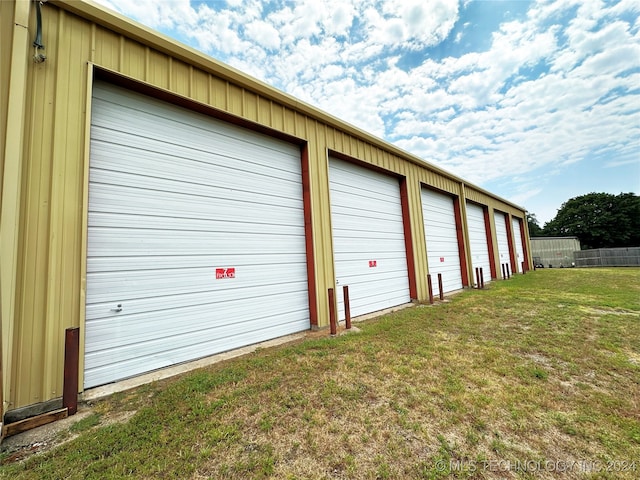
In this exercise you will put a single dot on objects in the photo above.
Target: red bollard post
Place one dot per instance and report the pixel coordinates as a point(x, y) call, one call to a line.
point(430, 285)
point(440, 286)
point(347, 307)
point(332, 313)
point(524, 268)
point(71, 359)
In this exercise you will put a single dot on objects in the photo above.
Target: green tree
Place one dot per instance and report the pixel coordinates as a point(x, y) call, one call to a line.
point(599, 220)
point(535, 230)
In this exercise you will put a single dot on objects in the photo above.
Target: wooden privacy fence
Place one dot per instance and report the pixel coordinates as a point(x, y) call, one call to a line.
point(608, 257)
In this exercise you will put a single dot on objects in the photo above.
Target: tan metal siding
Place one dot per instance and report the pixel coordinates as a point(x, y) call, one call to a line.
point(321, 217)
point(158, 69)
point(6, 44)
point(49, 288)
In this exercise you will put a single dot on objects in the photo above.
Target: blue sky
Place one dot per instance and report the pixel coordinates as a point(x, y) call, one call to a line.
point(536, 101)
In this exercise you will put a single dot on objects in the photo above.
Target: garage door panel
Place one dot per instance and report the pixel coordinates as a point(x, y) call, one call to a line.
point(153, 208)
point(358, 275)
point(111, 242)
point(102, 308)
point(359, 199)
point(113, 264)
point(158, 325)
point(383, 264)
point(441, 238)
point(184, 345)
point(357, 241)
point(197, 346)
point(171, 163)
point(150, 284)
point(111, 221)
point(478, 240)
point(355, 220)
point(254, 190)
point(191, 144)
point(367, 226)
point(160, 120)
point(372, 296)
point(173, 196)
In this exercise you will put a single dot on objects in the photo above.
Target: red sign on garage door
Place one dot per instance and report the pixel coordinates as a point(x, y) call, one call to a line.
point(225, 273)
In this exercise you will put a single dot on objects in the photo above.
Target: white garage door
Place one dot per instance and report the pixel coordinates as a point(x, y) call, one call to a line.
point(443, 255)
point(196, 239)
point(368, 238)
point(478, 241)
point(517, 236)
point(503, 240)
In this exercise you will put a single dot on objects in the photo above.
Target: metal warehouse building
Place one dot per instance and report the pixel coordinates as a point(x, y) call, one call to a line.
point(173, 208)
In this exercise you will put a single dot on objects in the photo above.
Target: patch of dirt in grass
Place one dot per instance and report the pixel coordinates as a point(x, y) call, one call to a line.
point(609, 311)
point(633, 357)
point(42, 439)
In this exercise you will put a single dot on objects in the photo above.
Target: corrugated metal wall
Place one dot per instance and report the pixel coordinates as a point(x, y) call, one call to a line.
point(555, 251)
point(51, 238)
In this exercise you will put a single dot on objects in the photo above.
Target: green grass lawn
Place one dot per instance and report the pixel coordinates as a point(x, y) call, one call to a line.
point(535, 377)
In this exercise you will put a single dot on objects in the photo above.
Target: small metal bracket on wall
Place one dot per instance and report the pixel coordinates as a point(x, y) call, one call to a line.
point(38, 57)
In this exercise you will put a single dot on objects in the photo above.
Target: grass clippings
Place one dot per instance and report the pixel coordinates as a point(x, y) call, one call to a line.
point(534, 377)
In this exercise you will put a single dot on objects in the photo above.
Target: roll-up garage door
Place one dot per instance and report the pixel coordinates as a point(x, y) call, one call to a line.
point(478, 240)
point(441, 238)
point(503, 239)
point(196, 241)
point(517, 237)
point(368, 238)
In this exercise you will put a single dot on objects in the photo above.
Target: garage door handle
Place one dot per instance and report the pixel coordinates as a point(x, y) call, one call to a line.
point(118, 309)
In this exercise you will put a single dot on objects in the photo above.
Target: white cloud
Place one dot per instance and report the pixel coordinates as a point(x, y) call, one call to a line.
point(264, 34)
point(554, 87)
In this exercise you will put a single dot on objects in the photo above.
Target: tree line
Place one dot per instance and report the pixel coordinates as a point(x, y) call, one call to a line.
point(599, 220)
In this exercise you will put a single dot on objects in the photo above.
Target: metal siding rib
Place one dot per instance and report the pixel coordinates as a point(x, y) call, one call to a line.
point(218, 93)
point(158, 73)
point(134, 60)
point(107, 52)
point(180, 78)
point(235, 99)
point(200, 86)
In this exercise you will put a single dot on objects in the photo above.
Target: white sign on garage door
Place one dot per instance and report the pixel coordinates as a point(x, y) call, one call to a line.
point(517, 237)
point(478, 240)
point(368, 238)
point(443, 255)
point(196, 240)
point(503, 239)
